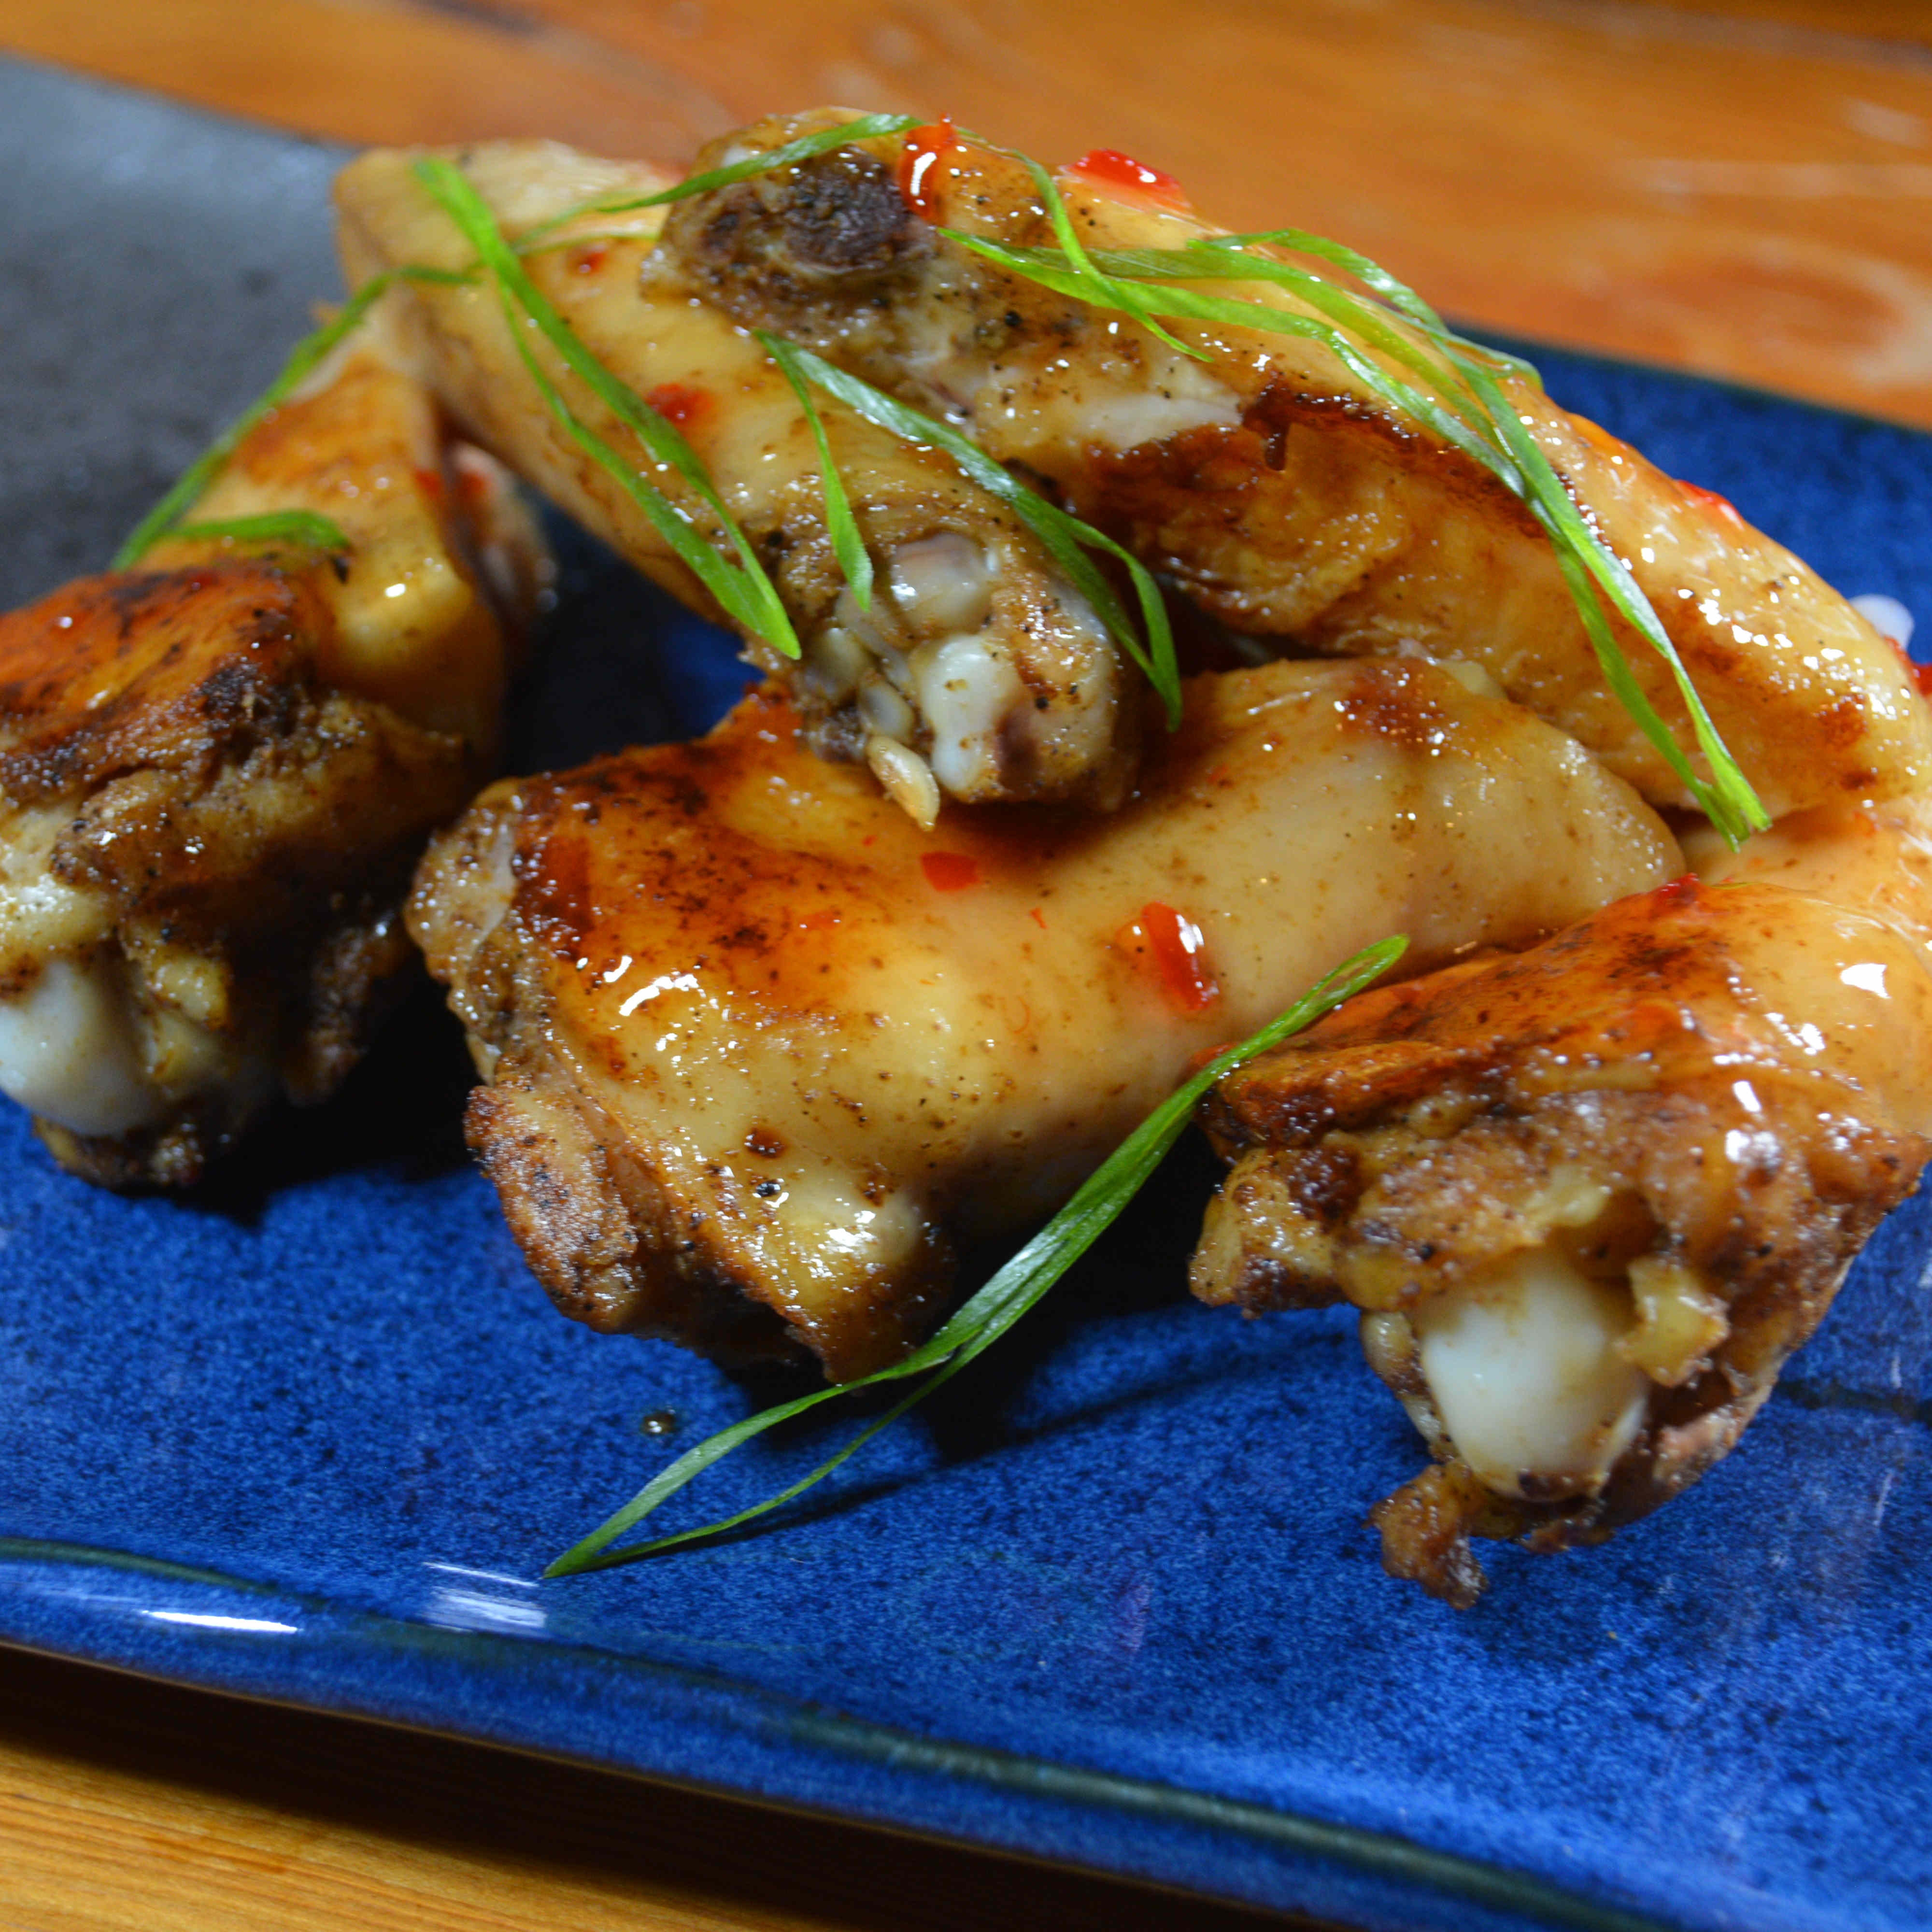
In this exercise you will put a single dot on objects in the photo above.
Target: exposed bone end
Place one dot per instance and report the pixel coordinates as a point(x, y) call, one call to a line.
point(1583, 1245)
point(1525, 1367)
point(991, 670)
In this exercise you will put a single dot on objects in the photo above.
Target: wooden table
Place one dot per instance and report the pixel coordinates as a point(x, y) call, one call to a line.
point(1740, 188)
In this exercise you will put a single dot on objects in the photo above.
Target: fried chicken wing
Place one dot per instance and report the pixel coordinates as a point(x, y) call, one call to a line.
point(979, 671)
point(1590, 1198)
point(761, 1054)
point(216, 772)
point(1275, 486)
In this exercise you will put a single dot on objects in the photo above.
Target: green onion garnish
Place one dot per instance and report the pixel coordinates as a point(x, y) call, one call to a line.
point(997, 1305)
point(189, 487)
point(866, 127)
point(1472, 414)
point(273, 526)
point(296, 527)
point(746, 594)
point(1065, 538)
point(855, 561)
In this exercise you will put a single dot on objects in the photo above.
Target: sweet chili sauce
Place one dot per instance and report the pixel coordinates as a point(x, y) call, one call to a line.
point(924, 148)
point(1112, 169)
point(1174, 950)
point(950, 872)
point(1709, 499)
point(680, 403)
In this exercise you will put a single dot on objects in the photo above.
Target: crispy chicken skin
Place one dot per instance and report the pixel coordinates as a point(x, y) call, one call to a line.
point(980, 672)
point(217, 772)
point(1590, 1198)
point(1276, 489)
point(761, 1054)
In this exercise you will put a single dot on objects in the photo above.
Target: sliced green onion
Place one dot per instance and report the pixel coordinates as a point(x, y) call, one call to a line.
point(188, 488)
point(867, 127)
point(746, 595)
point(1065, 538)
point(855, 561)
point(1112, 292)
point(1474, 417)
point(297, 526)
point(988, 1315)
point(1727, 800)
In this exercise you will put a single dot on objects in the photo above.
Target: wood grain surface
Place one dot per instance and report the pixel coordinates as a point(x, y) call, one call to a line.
point(1740, 187)
point(135, 1805)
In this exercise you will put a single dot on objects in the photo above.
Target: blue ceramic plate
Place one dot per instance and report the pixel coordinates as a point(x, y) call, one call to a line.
point(310, 1435)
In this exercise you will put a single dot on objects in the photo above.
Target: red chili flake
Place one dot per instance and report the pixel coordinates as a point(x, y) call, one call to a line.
point(429, 482)
point(1709, 499)
point(950, 872)
point(1038, 917)
point(678, 402)
point(1681, 890)
point(587, 261)
point(1119, 170)
point(1174, 949)
point(918, 160)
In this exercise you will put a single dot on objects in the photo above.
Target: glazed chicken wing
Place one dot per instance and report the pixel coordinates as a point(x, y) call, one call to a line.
point(761, 1054)
point(217, 770)
point(1274, 485)
point(1589, 1198)
point(979, 671)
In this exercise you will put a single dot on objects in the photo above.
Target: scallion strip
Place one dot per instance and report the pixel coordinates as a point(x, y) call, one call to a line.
point(1065, 538)
point(990, 1312)
point(188, 488)
point(1486, 428)
point(1727, 798)
point(746, 595)
point(298, 527)
point(866, 127)
point(855, 561)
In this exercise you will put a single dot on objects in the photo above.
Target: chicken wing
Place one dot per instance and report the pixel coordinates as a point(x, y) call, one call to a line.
point(979, 671)
point(1274, 485)
point(1590, 1198)
point(216, 772)
point(761, 1053)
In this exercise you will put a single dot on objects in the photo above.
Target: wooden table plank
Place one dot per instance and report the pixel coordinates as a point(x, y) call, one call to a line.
point(127, 1806)
point(1742, 189)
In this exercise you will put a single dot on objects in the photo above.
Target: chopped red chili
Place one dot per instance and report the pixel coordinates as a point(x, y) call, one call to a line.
point(1119, 170)
point(918, 162)
point(950, 872)
point(1175, 951)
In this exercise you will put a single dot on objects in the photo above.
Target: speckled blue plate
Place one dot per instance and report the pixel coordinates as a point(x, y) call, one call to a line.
point(311, 1434)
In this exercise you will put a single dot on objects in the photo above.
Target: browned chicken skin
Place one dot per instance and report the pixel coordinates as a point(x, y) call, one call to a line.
point(1590, 1198)
point(216, 774)
point(1276, 487)
point(979, 671)
point(761, 1052)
